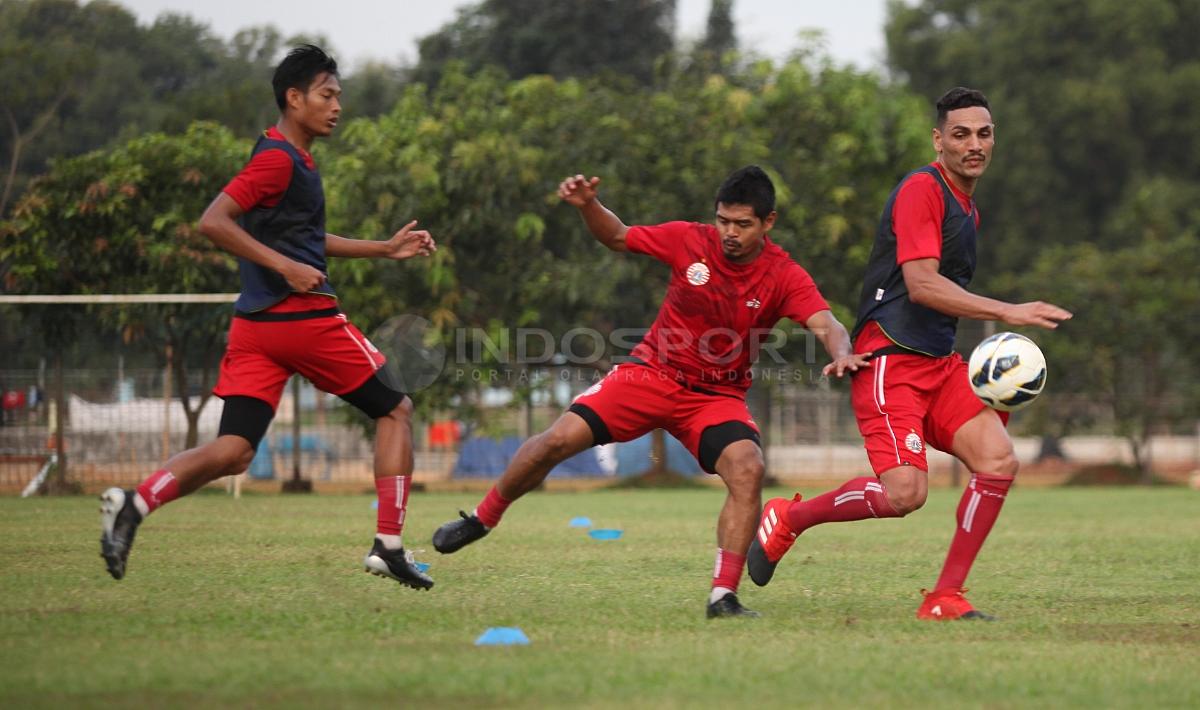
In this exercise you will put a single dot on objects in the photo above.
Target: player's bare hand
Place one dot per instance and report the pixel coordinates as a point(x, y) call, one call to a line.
point(302, 278)
point(578, 191)
point(1039, 313)
point(409, 242)
point(848, 363)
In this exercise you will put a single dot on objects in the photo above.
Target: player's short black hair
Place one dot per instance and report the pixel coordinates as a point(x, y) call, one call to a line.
point(748, 186)
point(959, 97)
point(299, 69)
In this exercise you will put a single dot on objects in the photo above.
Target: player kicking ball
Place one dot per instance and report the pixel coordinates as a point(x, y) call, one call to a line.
point(730, 284)
point(286, 320)
point(916, 392)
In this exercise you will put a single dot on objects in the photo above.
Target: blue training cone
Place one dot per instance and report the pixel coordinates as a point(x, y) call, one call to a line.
point(603, 534)
point(580, 522)
point(502, 636)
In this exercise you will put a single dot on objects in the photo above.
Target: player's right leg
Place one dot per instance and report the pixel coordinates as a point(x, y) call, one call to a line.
point(250, 382)
point(528, 468)
point(627, 403)
point(244, 421)
point(890, 400)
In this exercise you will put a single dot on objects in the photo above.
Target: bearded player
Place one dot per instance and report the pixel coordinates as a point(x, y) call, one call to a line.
point(915, 393)
point(729, 285)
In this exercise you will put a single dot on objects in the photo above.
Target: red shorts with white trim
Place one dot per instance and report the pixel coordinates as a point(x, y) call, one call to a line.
point(328, 351)
point(635, 399)
point(904, 403)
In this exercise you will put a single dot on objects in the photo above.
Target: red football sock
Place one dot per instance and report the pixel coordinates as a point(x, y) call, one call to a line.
point(857, 499)
point(977, 512)
point(393, 503)
point(728, 571)
point(158, 490)
point(492, 507)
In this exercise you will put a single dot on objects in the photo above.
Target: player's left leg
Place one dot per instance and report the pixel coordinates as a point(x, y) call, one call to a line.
point(724, 439)
point(740, 465)
point(392, 411)
point(983, 445)
point(337, 358)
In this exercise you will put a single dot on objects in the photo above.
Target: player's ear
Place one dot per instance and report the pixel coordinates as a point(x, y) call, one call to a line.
point(769, 221)
point(294, 97)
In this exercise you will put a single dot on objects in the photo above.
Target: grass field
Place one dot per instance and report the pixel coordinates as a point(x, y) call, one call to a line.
point(262, 602)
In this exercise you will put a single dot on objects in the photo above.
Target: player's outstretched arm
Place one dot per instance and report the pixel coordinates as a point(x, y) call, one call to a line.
point(832, 334)
point(219, 224)
point(606, 227)
point(929, 288)
point(404, 244)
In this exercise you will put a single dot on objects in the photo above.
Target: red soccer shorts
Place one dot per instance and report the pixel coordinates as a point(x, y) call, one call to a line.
point(328, 351)
point(635, 399)
point(907, 402)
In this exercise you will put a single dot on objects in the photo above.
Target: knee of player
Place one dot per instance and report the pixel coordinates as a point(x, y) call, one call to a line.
point(906, 499)
point(1008, 465)
point(402, 412)
point(744, 476)
point(237, 458)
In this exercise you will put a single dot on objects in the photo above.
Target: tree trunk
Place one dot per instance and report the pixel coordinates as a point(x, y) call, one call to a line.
point(59, 483)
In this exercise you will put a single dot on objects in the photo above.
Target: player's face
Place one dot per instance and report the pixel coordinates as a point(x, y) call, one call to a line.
point(964, 143)
point(320, 106)
point(741, 231)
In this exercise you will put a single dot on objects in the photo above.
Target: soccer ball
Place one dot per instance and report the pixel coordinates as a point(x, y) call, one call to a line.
point(1007, 371)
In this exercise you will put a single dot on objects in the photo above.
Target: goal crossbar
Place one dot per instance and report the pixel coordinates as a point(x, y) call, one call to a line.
point(93, 298)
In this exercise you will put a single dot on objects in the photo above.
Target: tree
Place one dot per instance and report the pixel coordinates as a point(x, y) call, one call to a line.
point(477, 159)
point(1130, 346)
point(1087, 96)
point(524, 37)
point(123, 221)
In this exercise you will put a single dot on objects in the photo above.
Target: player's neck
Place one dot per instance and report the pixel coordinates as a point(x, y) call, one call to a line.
point(965, 185)
point(295, 134)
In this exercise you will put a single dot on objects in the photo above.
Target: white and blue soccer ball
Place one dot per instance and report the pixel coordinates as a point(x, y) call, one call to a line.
point(1007, 371)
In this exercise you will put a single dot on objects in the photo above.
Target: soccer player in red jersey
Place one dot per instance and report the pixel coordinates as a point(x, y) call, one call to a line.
point(915, 392)
point(286, 320)
point(729, 285)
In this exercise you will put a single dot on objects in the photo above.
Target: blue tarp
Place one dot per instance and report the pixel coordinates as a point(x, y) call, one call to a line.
point(486, 458)
point(481, 457)
point(633, 457)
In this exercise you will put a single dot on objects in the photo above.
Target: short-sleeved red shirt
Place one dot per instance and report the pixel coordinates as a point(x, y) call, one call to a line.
point(717, 313)
point(918, 213)
point(264, 179)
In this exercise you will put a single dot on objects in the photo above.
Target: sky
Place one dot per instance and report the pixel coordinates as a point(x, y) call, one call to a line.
point(360, 30)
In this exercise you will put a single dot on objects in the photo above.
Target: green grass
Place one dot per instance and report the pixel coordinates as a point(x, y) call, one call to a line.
point(262, 602)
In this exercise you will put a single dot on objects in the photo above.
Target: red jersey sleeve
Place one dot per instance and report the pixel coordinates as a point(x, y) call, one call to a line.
point(263, 181)
point(801, 297)
point(917, 219)
point(661, 241)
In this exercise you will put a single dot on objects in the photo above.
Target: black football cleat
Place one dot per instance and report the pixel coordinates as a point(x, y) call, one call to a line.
point(395, 564)
point(119, 520)
point(729, 605)
point(457, 534)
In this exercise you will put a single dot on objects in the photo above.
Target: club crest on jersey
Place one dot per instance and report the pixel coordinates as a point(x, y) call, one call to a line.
point(697, 274)
point(912, 442)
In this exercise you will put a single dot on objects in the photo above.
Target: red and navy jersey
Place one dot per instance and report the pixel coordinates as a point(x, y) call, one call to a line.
point(283, 204)
point(717, 313)
point(925, 217)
